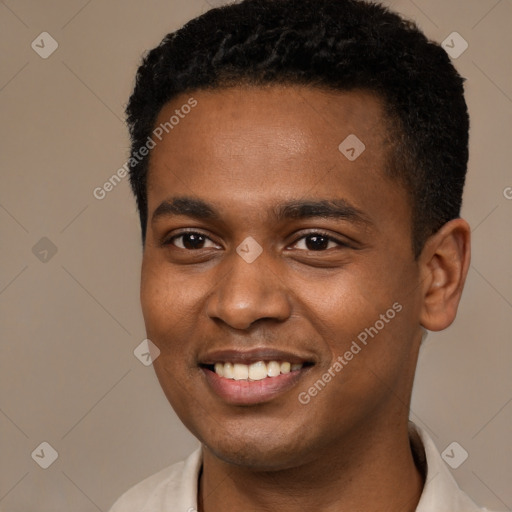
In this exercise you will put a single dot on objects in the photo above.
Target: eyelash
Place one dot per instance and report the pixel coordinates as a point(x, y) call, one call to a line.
point(321, 233)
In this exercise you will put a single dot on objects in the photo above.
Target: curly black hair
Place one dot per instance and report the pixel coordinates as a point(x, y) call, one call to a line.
point(341, 45)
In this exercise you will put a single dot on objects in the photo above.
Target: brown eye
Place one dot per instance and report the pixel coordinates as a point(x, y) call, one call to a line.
point(190, 241)
point(317, 242)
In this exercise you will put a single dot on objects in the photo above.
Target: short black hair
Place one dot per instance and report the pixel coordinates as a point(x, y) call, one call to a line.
point(341, 45)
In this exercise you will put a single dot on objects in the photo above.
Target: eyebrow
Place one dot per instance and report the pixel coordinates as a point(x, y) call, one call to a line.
point(186, 206)
point(296, 209)
point(327, 209)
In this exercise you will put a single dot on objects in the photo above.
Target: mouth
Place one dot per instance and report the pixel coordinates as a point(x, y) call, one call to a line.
point(253, 377)
point(256, 371)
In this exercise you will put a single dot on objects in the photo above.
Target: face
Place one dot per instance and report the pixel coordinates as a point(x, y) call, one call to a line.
point(278, 279)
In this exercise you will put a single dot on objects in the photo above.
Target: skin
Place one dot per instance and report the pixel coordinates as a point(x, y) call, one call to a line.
point(246, 150)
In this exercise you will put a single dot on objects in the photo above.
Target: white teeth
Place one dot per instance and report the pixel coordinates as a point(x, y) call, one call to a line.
point(256, 371)
point(219, 369)
point(229, 371)
point(273, 369)
point(241, 371)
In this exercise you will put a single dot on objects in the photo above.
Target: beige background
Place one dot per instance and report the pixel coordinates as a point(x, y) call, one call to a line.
point(69, 325)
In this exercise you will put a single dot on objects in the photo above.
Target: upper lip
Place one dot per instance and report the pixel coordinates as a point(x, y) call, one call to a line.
point(252, 356)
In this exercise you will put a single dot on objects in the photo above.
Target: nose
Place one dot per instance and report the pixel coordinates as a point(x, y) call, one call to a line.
point(249, 292)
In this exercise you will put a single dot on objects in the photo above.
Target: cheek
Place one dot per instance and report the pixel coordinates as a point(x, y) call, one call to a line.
point(169, 320)
point(173, 308)
point(154, 295)
point(367, 317)
point(347, 301)
point(164, 300)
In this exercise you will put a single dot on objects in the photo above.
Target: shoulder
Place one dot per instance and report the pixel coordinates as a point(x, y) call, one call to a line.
point(174, 487)
point(441, 492)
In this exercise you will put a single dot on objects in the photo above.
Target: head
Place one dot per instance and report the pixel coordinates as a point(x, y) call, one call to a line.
point(315, 153)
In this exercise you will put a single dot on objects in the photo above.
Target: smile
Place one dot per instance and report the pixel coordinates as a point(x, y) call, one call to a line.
point(256, 371)
point(255, 376)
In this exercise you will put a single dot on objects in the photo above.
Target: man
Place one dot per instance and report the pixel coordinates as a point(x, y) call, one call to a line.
point(298, 168)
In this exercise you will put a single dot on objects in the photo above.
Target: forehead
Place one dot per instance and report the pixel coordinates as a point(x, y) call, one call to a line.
point(289, 122)
point(262, 145)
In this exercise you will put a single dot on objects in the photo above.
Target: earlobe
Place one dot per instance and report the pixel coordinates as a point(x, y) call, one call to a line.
point(444, 264)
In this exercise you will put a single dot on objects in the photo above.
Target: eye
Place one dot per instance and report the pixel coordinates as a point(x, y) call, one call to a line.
point(190, 240)
point(318, 241)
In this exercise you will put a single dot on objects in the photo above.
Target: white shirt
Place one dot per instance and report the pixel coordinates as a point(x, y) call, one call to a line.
point(175, 488)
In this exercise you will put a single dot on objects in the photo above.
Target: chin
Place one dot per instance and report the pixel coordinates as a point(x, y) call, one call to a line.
point(259, 449)
point(255, 457)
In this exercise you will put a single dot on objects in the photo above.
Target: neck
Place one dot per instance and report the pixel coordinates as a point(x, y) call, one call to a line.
point(371, 472)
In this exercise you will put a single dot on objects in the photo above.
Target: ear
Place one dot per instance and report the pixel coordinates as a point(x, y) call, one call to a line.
point(444, 264)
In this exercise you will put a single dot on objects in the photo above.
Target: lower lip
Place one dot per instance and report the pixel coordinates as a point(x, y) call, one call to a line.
point(247, 392)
